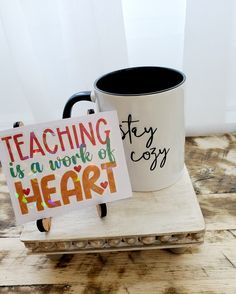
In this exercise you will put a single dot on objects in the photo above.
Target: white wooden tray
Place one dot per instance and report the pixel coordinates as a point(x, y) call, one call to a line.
point(169, 218)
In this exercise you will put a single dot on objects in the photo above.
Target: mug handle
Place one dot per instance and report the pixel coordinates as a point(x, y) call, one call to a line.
point(80, 96)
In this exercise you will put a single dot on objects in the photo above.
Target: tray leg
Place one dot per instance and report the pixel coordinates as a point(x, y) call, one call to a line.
point(180, 250)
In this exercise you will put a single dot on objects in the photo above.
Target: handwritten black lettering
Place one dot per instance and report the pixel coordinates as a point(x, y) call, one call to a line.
point(129, 129)
point(133, 130)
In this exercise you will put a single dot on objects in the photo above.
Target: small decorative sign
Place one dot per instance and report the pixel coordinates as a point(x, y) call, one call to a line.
point(53, 168)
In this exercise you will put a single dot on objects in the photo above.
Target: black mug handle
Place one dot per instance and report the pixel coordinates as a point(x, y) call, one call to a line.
point(83, 96)
point(80, 96)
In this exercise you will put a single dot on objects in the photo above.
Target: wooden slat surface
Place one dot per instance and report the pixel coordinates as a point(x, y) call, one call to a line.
point(215, 261)
point(211, 162)
point(209, 269)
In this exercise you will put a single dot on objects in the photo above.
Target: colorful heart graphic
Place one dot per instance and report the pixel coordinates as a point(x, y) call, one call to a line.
point(26, 191)
point(104, 184)
point(77, 168)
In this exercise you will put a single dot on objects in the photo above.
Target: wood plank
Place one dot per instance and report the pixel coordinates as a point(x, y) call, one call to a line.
point(113, 287)
point(211, 162)
point(182, 287)
point(4, 189)
point(213, 261)
point(233, 232)
point(8, 228)
point(2, 177)
point(219, 210)
point(39, 289)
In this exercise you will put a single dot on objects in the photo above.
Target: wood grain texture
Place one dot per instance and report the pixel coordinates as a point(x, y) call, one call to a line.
point(158, 287)
point(210, 265)
point(211, 162)
point(219, 210)
point(39, 289)
point(8, 227)
point(209, 269)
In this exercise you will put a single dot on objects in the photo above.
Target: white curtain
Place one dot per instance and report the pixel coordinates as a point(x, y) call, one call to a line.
point(52, 49)
point(210, 65)
point(199, 38)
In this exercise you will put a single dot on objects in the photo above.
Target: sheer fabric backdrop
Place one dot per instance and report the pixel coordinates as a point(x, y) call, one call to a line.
point(209, 61)
point(52, 49)
point(198, 37)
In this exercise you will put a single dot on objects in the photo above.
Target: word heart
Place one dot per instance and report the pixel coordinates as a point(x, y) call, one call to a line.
point(83, 189)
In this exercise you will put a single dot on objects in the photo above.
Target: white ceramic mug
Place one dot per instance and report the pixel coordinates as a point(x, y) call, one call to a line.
point(150, 106)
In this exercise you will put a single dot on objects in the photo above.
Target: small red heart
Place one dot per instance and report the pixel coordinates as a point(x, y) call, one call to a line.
point(26, 191)
point(77, 168)
point(104, 184)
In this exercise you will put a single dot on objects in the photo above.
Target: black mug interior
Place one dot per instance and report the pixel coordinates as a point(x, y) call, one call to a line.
point(140, 80)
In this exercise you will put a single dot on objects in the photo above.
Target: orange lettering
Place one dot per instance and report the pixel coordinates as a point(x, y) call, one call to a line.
point(48, 191)
point(110, 176)
point(89, 182)
point(76, 191)
point(36, 197)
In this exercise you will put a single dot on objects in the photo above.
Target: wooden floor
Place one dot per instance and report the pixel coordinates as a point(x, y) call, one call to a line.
point(209, 269)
